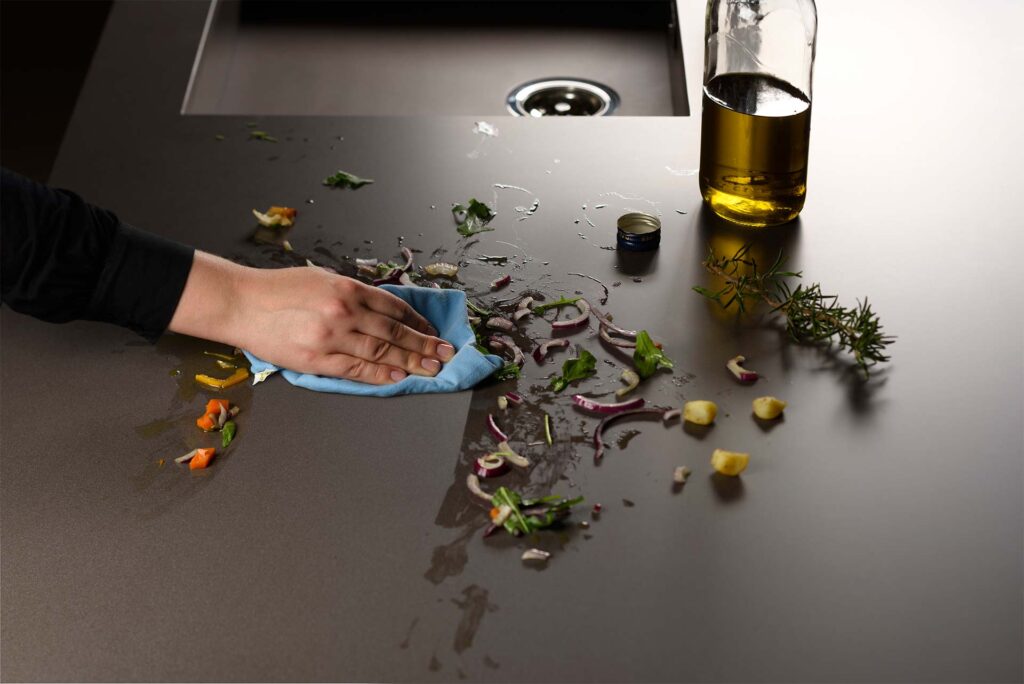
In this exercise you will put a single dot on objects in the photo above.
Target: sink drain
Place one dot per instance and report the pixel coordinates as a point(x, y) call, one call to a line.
point(562, 97)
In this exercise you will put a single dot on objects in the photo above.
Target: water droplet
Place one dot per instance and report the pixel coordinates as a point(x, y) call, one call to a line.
point(310, 201)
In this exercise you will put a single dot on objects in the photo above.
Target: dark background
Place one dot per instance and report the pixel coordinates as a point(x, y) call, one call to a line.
point(45, 51)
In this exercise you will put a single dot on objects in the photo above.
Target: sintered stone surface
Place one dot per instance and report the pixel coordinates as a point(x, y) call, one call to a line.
point(875, 537)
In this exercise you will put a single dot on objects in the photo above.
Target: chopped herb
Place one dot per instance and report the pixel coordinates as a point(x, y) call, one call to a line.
point(542, 512)
point(478, 310)
point(219, 136)
point(227, 433)
point(547, 430)
point(262, 135)
point(579, 368)
point(510, 371)
point(472, 219)
point(647, 358)
point(564, 301)
point(343, 179)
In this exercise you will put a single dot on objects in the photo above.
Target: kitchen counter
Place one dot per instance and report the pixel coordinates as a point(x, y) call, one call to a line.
point(876, 536)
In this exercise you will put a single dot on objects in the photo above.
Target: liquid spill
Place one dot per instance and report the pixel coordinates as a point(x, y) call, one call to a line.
point(408, 634)
point(484, 128)
point(474, 606)
point(625, 438)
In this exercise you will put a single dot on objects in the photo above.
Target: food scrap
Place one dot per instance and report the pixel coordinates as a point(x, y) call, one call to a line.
point(221, 383)
point(680, 474)
point(700, 412)
point(201, 459)
point(735, 366)
point(343, 179)
point(526, 516)
point(730, 463)
point(579, 368)
point(648, 357)
point(768, 408)
point(472, 218)
point(536, 555)
point(276, 217)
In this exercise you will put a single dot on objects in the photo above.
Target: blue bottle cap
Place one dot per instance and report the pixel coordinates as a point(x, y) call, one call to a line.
point(638, 232)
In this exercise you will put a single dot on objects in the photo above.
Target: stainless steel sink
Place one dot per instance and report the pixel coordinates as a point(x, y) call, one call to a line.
point(437, 58)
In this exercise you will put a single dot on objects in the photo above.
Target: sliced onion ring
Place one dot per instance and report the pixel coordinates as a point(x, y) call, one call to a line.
point(742, 374)
point(500, 323)
point(511, 456)
point(631, 379)
point(607, 420)
point(473, 484)
point(514, 398)
point(606, 322)
point(584, 306)
point(501, 282)
point(490, 465)
point(669, 415)
point(589, 404)
point(541, 352)
point(492, 425)
point(615, 341)
point(506, 342)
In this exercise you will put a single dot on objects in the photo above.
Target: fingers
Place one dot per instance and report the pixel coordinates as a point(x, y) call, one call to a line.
point(403, 337)
point(380, 351)
point(393, 307)
point(360, 370)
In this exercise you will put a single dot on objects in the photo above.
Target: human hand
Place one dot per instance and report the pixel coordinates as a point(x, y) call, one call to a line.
point(313, 321)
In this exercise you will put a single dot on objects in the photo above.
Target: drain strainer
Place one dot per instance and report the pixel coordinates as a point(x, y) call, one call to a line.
point(562, 97)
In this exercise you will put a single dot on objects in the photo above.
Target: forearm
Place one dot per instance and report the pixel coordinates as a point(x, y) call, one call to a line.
point(215, 300)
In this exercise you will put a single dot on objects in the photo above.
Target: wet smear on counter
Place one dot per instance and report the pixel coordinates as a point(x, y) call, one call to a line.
point(408, 634)
point(474, 605)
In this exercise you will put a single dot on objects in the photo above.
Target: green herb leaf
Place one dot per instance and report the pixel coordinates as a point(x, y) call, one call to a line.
point(554, 508)
point(564, 301)
point(472, 219)
point(647, 358)
point(343, 179)
point(262, 135)
point(509, 371)
point(227, 433)
point(575, 369)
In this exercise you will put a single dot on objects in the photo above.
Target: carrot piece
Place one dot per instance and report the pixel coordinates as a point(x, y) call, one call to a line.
point(201, 459)
point(495, 512)
point(208, 422)
point(220, 383)
point(213, 406)
point(286, 212)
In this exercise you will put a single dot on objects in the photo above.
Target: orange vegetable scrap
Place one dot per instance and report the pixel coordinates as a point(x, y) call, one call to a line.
point(208, 422)
point(283, 212)
point(201, 459)
point(220, 383)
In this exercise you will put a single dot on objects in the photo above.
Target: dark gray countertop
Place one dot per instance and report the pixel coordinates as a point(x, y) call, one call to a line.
point(877, 535)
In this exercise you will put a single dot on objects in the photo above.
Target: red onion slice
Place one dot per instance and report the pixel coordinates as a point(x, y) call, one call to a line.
point(541, 352)
point(614, 341)
point(492, 425)
point(524, 303)
point(669, 415)
point(501, 282)
point(606, 322)
point(608, 420)
point(404, 279)
point(506, 342)
point(576, 322)
point(589, 404)
point(473, 484)
point(740, 373)
point(407, 253)
point(499, 323)
point(491, 465)
point(514, 398)
point(511, 456)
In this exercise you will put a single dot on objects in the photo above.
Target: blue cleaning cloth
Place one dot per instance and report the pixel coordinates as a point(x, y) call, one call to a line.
point(446, 311)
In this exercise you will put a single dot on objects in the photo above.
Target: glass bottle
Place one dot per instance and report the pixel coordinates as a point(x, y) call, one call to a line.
point(758, 64)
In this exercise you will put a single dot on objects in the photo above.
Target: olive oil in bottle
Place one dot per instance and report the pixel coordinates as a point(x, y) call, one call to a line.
point(753, 157)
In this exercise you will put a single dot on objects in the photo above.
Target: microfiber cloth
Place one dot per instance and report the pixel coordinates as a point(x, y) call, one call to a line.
point(446, 311)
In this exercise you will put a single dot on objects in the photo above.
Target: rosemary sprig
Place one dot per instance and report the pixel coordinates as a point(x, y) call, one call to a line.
point(811, 315)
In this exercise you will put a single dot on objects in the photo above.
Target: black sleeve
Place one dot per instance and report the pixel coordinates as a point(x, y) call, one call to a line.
point(65, 260)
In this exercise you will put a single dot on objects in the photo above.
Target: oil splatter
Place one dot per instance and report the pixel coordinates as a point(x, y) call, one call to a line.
point(627, 503)
point(626, 437)
point(408, 634)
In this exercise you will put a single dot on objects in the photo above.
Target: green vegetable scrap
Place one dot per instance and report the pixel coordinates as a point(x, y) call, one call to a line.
point(812, 317)
point(343, 179)
point(648, 358)
point(262, 135)
point(564, 301)
point(227, 433)
point(579, 368)
point(541, 513)
point(509, 371)
point(472, 219)
point(219, 136)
